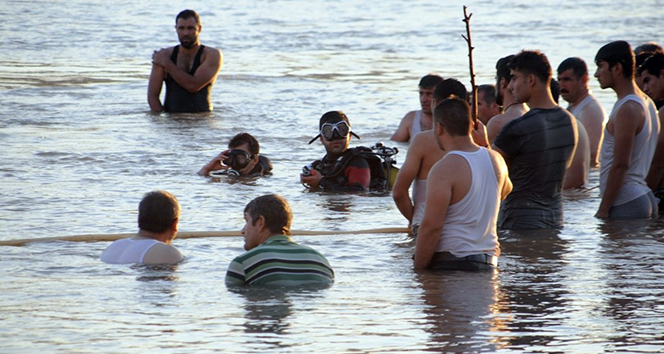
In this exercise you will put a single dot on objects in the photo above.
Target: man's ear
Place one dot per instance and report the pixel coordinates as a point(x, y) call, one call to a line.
point(439, 129)
point(503, 83)
point(175, 225)
point(260, 223)
point(584, 79)
point(531, 80)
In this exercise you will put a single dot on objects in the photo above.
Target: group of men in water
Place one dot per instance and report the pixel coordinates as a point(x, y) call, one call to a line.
point(470, 176)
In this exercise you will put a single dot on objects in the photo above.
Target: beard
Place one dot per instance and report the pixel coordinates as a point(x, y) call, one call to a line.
point(187, 42)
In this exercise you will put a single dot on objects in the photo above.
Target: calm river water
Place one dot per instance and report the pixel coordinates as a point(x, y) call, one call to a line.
point(79, 149)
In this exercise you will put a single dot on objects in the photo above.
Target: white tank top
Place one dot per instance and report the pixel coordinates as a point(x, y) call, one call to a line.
point(127, 250)
point(576, 109)
point(419, 197)
point(644, 149)
point(416, 126)
point(470, 224)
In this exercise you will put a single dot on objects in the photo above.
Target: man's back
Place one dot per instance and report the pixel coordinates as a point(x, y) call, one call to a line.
point(538, 147)
point(148, 251)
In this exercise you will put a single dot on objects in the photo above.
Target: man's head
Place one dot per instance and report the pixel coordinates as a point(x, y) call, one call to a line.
point(555, 89)
point(614, 61)
point(486, 103)
point(158, 212)
point(649, 47)
point(502, 78)
point(652, 76)
point(573, 79)
point(452, 116)
point(239, 161)
point(529, 71)
point(188, 26)
point(266, 216)
point(446, 89)
point(334, 132)
point(426, 86)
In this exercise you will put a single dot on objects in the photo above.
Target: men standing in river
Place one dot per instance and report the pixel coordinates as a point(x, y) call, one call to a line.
point(511, 108)
point(538, 148)
point(416, 121)
point(189, 70)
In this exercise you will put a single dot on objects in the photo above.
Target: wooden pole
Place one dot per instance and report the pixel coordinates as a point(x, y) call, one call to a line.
point(469, 40)
point(199, 234)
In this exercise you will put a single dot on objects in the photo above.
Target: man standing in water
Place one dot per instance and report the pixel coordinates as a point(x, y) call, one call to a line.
point(158, 216)
point(416, 121)
point(189, 70)
point(538, 148)
point(630, 139)
point(464, 190)
point(511, 108)
point(573, 79)
point(652, 75)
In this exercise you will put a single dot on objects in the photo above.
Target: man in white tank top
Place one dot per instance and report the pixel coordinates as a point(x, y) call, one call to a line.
point(416, 121)
point(464, 190)
point(158, 215)
point(630, 139)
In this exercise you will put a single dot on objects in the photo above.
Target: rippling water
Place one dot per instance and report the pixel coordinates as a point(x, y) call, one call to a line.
point(79, 148)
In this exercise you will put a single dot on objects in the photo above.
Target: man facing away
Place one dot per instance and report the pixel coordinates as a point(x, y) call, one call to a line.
point(538, 148)
point(189, 70)
point(416, 121)
point(573, 79)
point(652, 75)
point(487, 107)
point(464, 191)
point(242, 158)
point(272, 258)
point(630, 138)
point(423, 153)
point(511, 108)
point(158, 215)
point(340, 170)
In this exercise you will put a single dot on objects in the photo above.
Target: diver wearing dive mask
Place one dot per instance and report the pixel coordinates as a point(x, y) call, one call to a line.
point(241, 159)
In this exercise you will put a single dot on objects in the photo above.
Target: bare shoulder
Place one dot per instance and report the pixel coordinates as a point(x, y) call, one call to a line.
point(162, 253)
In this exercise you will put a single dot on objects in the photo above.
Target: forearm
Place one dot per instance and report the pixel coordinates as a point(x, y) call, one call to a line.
point(155, 103)
point(404, 204)
point(427, 241)
point(614, 183)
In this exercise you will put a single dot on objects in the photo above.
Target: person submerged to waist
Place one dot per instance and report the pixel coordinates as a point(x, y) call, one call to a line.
point(483, 258)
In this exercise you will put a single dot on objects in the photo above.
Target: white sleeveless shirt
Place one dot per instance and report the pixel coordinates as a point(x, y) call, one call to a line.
point(416, 126)
point(127, 250)
point(419, 196)
point(470, 224)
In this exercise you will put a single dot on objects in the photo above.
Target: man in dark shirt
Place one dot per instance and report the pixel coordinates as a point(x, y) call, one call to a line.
point(189, 70)
point(538, 148)
point(342, 169)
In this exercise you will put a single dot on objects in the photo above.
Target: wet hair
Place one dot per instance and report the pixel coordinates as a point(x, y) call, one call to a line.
point(649, 47)
point(653, 65)
point(489, 92)
point(430, 80)
point(618, 52)
point(449, 87)
point(276, 211)
point(157, 211)
point(555, 89)
point(640, 58)
point(186, 14)
point(577, 65)
point(532, 62)
point(502, 69)
point(245, 138)
point(454, 115)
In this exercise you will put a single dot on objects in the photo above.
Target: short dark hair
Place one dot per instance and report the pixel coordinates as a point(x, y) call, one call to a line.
point(618, 52)
point(653, 65)
point(454, 115)
point(157, 211)
point(185, 14)
point(502, 69)
point(245, 138)
point(276, 211)
point(649, 47)
point(555, 89)
point(532, 62)
point(430, 80)
point(489, 92)
point(577, 65)
point(640, 58)
point(449, 87)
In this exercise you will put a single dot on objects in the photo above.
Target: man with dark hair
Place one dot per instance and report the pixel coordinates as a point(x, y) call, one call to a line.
point(573, 78)
point(538, 148)
point(487, 107)
point(158, 216)
point(416, 121)
point(189, 70)
point(272, 258)
point(242, 158)
point(341, 169)
point(463, 197)
point(652, 74)
point(630, 139)
point(511, 108)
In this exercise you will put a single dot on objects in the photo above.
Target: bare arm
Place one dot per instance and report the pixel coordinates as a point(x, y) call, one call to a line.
point(206, 73)
point(403, 132)
point(656, 173)
point(155, 83)
point(592, 117)
point(624, 126)
point(493, 127)
point(407, 174)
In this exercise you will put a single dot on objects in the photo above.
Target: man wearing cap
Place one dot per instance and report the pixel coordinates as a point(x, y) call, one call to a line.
point(342, 169)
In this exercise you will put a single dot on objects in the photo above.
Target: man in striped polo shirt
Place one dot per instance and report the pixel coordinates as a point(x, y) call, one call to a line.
point(272, 258)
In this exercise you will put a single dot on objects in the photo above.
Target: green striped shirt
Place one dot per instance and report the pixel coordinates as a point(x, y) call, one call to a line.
point(279, 261)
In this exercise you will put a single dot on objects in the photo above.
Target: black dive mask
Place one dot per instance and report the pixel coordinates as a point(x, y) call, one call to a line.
point(238, 159)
